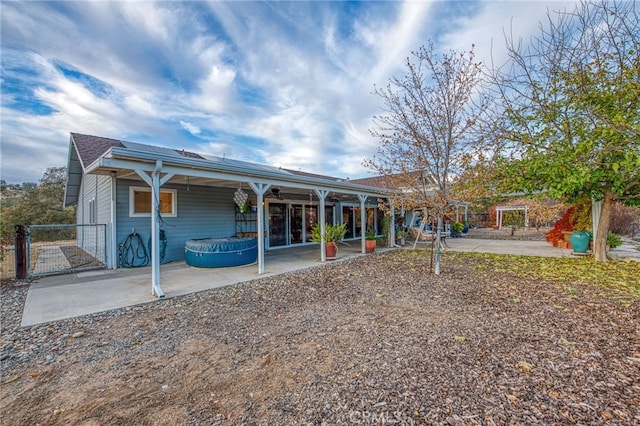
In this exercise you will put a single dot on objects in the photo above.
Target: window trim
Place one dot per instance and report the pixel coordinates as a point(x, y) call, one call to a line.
point(174, 201)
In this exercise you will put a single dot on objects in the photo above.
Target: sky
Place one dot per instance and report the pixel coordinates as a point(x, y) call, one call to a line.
point(289, 84)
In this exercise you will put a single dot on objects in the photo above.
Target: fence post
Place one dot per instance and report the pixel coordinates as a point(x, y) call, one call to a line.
point(21, 252)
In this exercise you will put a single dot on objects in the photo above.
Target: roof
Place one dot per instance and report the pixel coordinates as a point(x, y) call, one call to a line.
point(99, 155)
point(89, 148)
point(389, 181)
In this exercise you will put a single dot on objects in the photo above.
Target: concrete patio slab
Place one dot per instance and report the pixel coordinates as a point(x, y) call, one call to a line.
point(66, 296)
point(71, 295)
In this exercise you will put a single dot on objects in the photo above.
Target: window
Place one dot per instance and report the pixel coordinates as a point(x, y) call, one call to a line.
point(93, 212)
point(140, 202)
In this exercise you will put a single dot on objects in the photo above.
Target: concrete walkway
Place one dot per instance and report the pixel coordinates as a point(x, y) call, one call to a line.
point(528, 248)
point(72, 295)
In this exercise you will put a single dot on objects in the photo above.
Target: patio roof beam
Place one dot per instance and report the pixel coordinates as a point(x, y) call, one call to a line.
point(297, 181)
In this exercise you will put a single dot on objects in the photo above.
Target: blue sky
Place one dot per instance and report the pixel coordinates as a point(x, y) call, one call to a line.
point(282, 83)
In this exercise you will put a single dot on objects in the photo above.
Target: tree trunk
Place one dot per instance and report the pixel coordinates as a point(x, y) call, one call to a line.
point(600, 243)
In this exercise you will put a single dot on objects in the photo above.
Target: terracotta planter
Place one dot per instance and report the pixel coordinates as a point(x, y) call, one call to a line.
point(331, 250)
point(370, 246)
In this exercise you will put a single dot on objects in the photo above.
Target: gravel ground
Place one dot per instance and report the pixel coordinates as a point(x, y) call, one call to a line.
point(371, 340)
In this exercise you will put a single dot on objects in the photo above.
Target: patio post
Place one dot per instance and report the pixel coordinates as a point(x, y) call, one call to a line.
point(391, 238)
point(322, 194)
point(155, 182)
point(260, 189)
point(363, 222)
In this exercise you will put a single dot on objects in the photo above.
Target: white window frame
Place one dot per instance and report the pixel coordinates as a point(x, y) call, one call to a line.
point(93, 213)
point(174, 201)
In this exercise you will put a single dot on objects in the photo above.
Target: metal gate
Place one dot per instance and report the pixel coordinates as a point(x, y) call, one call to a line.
point(59, 249)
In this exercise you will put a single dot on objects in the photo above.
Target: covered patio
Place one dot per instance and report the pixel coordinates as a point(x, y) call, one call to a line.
point(111, 161)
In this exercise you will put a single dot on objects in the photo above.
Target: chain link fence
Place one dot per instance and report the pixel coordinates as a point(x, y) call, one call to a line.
point(57, 249)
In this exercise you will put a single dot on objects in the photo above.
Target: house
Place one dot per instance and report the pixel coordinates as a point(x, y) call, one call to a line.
point(141, 189)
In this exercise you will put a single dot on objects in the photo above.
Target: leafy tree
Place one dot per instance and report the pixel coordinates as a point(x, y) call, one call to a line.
point(571, 111)
point(427, 128)
point(37, 204)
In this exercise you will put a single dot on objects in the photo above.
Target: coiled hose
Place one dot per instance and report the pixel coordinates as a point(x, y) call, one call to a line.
point(163, 245)
point(133, 253)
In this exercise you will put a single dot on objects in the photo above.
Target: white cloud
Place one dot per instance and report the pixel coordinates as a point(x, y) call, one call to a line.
point(194, 130)
point(286, 83)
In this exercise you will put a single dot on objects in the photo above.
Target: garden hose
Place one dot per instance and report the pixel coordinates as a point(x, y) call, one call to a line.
point(163, 245)
point(133, 253)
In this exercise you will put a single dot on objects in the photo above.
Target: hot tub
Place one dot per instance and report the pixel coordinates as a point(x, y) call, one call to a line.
point(220, 252)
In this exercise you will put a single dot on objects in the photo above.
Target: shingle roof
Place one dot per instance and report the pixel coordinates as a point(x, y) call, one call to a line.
point(91, 147)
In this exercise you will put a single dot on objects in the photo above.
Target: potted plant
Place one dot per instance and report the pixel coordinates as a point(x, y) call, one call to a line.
point(581, 217)
point(370, 243)
point(402, 235)
point(456, 229)
point(332, 234)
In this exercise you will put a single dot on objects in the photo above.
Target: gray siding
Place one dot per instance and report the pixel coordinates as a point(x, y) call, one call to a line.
point(203, 212)
point(95, 193)
point(103, 199)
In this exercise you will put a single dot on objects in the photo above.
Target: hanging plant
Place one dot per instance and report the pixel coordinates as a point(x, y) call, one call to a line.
point(240, 197)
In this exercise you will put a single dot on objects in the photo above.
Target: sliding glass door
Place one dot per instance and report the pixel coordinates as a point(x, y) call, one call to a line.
point(277, 224)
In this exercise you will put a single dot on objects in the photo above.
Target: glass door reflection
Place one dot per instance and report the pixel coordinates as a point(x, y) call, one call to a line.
point(277, 224)
point(296, 224)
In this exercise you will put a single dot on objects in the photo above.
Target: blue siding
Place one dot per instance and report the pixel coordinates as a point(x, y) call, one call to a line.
point(203, 212)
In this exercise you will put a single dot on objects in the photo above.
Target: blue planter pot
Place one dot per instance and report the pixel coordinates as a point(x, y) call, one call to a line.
point(579, 241)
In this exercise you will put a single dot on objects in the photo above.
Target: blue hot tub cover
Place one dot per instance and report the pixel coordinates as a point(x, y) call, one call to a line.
point(220, 252)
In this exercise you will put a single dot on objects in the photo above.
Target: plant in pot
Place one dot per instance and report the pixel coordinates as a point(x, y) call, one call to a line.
point(580, 236)
point(371, 241)
point(456, 229)
point(332, 234)
point(402, 235)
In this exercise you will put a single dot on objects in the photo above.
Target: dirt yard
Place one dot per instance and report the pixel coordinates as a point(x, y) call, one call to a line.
point(372, 340)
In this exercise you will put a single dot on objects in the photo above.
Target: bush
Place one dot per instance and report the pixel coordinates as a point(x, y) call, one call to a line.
point(624, 220)
point(614, 240)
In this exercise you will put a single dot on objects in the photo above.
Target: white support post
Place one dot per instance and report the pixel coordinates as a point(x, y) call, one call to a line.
point(363, 221)
point(322, 194)
point(155, 232)
point(392, 227)
point(113, 230)
point(260, 189)
point(155, 182)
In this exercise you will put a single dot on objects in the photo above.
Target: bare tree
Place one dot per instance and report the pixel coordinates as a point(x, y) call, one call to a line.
point(427, 130)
